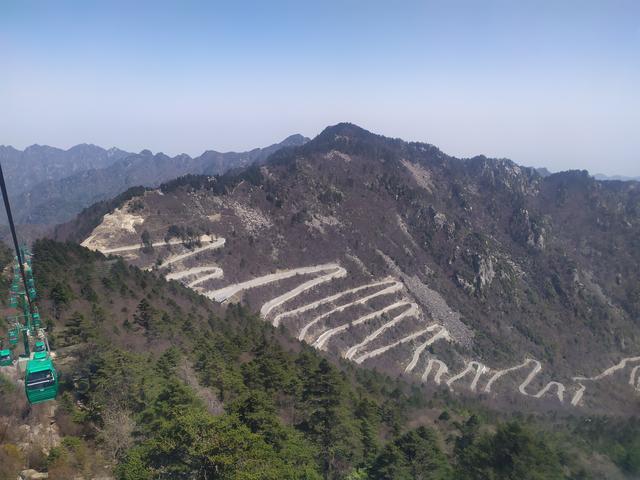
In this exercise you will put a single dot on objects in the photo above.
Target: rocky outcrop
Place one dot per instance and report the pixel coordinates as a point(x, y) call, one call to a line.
point(484, 268)
point(527, 232)
point(32, 474)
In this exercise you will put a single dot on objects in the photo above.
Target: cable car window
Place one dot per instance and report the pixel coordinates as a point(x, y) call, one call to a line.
point(40, 380)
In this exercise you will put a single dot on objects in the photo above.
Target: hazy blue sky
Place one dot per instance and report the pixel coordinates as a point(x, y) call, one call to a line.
point(546, 83)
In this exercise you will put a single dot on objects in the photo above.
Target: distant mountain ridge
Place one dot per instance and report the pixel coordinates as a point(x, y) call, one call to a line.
point(545, 172)
point(620, 178)
point(49, 185)
point(26, 168)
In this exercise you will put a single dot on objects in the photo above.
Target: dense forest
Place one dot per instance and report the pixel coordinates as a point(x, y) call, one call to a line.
point(157, 382)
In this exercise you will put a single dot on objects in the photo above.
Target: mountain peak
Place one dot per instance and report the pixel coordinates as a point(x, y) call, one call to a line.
point(86, 149)
point(294, 140)
point(36, 147)
point(345, 137)
point(345, 129)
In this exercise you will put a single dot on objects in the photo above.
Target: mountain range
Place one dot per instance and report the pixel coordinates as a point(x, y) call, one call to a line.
point(476, 275)
point(49, 185)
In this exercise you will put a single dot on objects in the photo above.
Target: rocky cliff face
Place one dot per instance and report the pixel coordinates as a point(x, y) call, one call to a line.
point(476, 275)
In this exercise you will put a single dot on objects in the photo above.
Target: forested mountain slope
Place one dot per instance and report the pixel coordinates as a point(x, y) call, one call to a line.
point(159, 382)
point(470, 275)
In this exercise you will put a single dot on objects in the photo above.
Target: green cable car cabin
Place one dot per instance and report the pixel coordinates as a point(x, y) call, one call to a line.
point(6, 359)
point(41, 379)
point(35, 316)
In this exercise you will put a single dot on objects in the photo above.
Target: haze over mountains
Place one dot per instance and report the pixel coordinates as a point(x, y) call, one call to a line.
point(50, 185)
point(474, 275)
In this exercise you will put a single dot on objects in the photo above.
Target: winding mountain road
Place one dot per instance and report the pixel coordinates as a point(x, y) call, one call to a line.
point(357, 352)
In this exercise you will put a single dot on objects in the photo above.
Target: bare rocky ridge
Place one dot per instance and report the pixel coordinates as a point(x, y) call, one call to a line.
point(474, 274)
